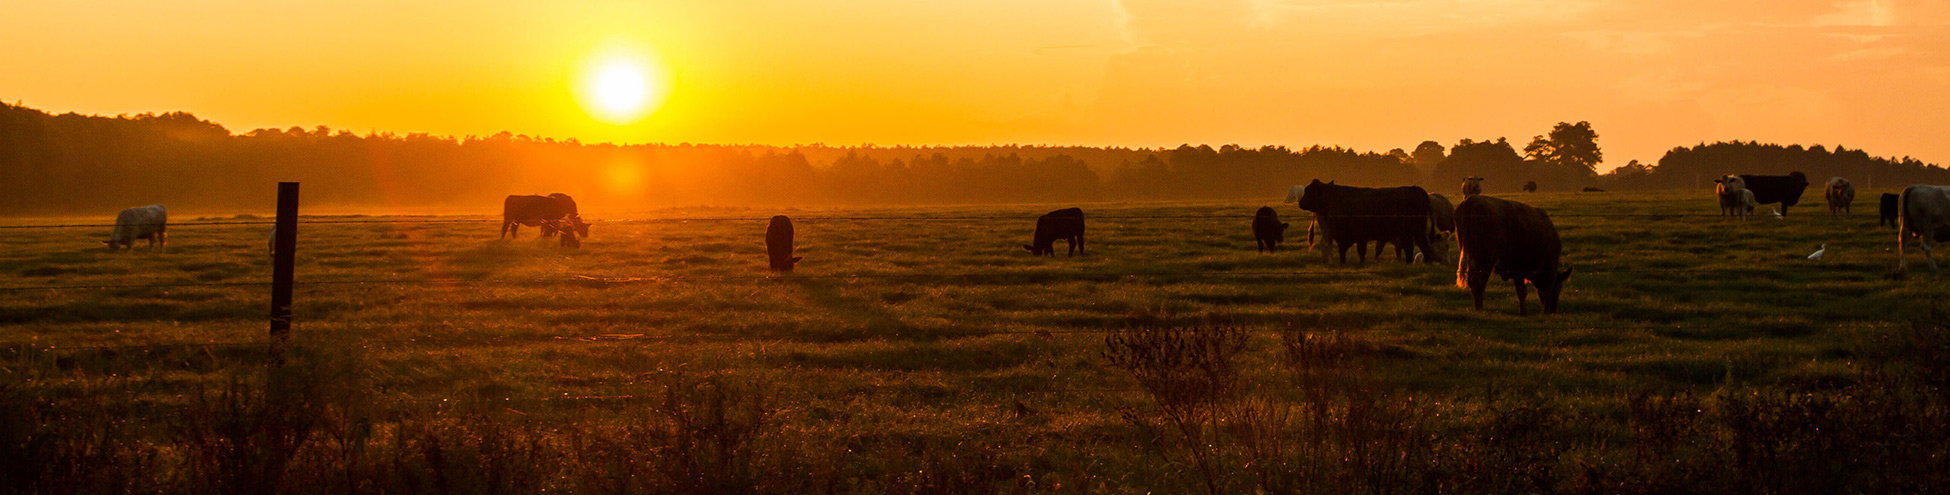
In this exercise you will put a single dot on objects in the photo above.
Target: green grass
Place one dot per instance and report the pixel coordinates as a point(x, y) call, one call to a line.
point(932, 331)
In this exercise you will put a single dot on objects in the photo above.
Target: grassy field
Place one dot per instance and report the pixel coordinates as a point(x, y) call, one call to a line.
point(923, 350)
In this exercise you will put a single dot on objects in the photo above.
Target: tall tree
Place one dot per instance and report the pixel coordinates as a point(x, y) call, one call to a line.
point(1427, 155)
point(1568, 156)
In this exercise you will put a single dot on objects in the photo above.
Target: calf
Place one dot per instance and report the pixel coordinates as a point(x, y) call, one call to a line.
point(1512, 240)
point(778, 244)
point(1888, 211)
point(1729, 190)
point(1064, 224)
point(1925, 217)
point(141, 222)
point(1840, 194)
point(1268, 230)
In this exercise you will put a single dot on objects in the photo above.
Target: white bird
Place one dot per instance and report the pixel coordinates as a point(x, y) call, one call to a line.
point(1819, 253)
point(1777, 214)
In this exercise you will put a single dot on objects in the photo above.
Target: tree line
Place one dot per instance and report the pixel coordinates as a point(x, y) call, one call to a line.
point(71, 163)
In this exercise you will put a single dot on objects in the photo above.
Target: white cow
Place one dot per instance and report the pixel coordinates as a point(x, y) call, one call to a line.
point(1925, 214)
point(141, 222)
point(1735, 199)
point(1293, 193)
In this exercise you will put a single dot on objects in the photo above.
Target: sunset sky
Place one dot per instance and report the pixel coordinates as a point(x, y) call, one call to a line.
point(1372, 75)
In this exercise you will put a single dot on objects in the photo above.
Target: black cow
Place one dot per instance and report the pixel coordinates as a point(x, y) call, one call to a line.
point(1783, 189)
point(541, 211)
point(1530, 187)
point(1593, 189)
point(1512, 240)
point(1268, 230)
point(1066, 224)
point(1888, 210)
point(778, 244)
point(1353, 216)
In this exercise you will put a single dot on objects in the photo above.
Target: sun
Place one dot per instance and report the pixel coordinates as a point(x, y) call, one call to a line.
point(622, 86)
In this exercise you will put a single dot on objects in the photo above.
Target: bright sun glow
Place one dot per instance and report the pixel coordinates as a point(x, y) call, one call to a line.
point(622, 87)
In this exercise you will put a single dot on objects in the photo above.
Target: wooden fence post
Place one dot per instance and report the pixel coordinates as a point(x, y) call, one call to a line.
point(282, 261)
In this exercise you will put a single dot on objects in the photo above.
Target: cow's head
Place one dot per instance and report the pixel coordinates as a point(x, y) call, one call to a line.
point(785, 265)
point(1039, 252)
point(1310, 198)
point(1551, 285)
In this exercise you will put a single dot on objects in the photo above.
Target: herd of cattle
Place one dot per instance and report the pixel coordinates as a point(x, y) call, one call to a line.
point(1512, 240)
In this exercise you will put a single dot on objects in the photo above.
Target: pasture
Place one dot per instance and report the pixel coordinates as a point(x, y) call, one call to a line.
point(923, 349)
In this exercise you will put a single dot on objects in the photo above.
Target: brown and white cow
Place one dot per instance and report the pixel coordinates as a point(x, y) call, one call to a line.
point(1512, 240)
point(1730, 190)
point(1840, 194)
point(1925, 217)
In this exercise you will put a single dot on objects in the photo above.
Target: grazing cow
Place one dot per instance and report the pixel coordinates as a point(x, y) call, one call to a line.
point(565, 226)
point(1593, 189)
point(778, 244)
point(1472, 186)
point(1530, 187)
point(1925, 217)
point(1783, 189)
point(1268, 230)
point(141, 222)
point(541, 211)
point(1888, 210)
point(1729, 190)
point(1065, 224)
point(1442, 223)
point(1840, 195)
point(1512, 240)
point(1293, 193)
point(1355, 215)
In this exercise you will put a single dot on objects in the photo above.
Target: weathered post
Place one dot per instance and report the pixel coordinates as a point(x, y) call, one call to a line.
point(282, 261)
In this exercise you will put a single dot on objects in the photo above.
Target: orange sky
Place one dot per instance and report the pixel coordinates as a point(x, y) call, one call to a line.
point(1648, 74)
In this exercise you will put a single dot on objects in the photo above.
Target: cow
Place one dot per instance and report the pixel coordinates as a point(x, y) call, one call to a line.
point(1268, 230)
point(1729, 190)
point(1530, 187)
point(1442, 223)
point(1293, 194)
point(1888, 210)
point(1747, 203)
point(1925, 217)
point(778, 244)
point(1840, 195)
point(1783, 189)
point(1355, 215)
point(1471, 187)
point(1593, 189)
point(141, 222)
point(565, 226)
point(1512, 240)
point(540, 211)
point(1065, 224)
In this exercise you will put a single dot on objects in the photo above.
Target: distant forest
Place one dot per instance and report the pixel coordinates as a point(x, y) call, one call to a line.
point(70, 163)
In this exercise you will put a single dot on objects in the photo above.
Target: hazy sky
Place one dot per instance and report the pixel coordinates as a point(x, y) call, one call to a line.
point(1648, 74)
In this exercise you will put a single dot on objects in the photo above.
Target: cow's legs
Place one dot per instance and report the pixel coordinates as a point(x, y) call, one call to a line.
point(1343, 249)
point(1361, 250)
point(1073, 246)
point(1522, 309)
point(1927, 254)
point(1079, 243)
point(1476, 280)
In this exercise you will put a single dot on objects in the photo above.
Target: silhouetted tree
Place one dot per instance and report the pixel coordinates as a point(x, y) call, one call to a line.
point(1567, 158)
point(1495, 161)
